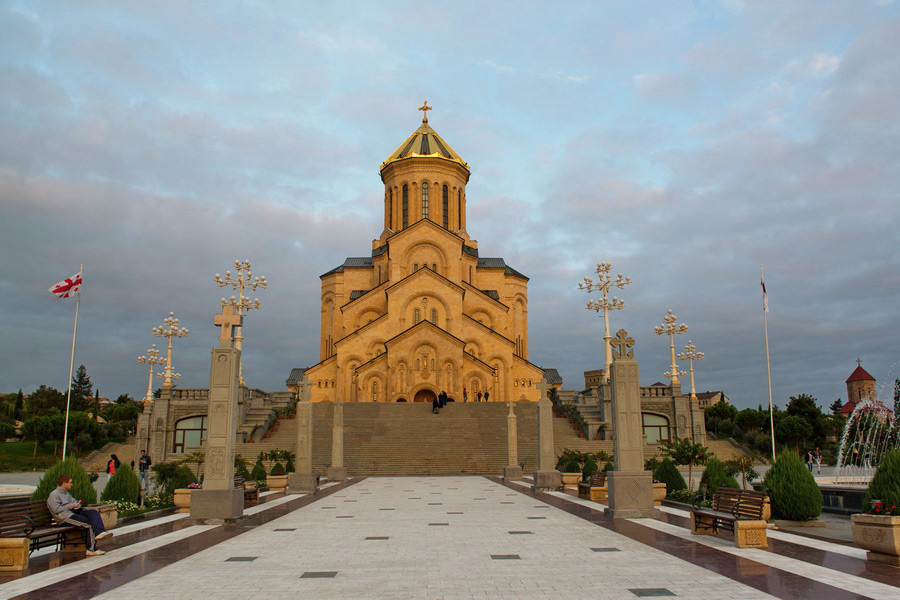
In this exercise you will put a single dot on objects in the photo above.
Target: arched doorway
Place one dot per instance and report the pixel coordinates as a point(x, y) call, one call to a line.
point(425, 395)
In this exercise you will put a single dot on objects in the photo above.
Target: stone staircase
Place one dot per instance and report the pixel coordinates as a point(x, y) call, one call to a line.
point(96, 460)
point(406, 439)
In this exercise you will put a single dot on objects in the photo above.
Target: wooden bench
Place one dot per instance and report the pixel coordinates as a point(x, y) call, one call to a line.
point(26, 526)
point(251, 492)
point(594, 488)
point(738, 511)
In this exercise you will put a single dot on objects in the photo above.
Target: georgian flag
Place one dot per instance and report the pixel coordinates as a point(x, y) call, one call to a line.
point(67, 287)
point(765, 295)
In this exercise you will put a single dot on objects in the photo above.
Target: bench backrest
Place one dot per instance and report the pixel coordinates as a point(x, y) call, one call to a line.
point(11, 522)
point(598, 479)
point(742, 503)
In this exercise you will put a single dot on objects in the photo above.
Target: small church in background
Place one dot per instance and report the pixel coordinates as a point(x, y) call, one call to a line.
point(860, 386)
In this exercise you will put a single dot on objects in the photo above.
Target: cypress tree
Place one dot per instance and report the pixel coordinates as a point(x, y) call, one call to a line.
point(885, 485)
point(82, 488)
point(123, 486)
point(669, 474)
point(793, 491)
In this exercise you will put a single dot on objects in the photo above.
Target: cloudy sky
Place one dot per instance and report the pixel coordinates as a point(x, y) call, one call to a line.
point(685, 142)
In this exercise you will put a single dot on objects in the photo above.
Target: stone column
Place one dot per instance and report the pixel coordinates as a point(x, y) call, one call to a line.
point(512, 471)
point(630, 486)
point(546, 477)
point(219, 500)
point(337, 472)
point(304, 481)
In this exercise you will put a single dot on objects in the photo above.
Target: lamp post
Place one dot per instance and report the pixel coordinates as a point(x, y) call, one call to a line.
point(606, 303)
point(152, 358)
point(169, 329)
point(671, 326)
point(244, 280)
point(690, 354)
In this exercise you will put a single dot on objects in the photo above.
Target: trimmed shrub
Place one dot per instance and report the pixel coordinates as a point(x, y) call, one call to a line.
point(259, 471)
point(289, 464)
point(241, 471)
point(885, 485)
point(685, 495)
point(669, 474)
point(792, 489)
point(172, 476)
point(651, 464)
point(277, 469)
point(715, 476)
point(123, 486)
point(81, 484)
point(609, 466)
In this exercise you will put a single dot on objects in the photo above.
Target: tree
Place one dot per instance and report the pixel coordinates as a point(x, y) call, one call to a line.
point(743, 464)
point(667, 473)
point(684, 452)
point(82, 488)
point(749, 420)
point(124, 399)
point(793, 491)
point(82, 390)
point(721, 410)
point(793, 431)
point(835, 406)
point(715, 476)
point(19, 406)
point(37, 429)
point(45, 401)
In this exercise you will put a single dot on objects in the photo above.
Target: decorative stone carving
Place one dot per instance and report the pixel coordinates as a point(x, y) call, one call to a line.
point(623, 345)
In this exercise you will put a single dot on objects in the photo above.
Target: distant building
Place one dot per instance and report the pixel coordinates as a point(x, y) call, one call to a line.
point(707, 399)
point(860, 386)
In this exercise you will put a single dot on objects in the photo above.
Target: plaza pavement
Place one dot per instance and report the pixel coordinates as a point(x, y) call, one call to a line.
point(450, 538)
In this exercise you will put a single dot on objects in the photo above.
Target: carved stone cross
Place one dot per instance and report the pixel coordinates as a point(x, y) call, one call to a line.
point(623, 345)
point(228, 320)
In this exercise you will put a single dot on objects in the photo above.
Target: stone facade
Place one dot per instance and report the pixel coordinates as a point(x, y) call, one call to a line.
point(424, 312)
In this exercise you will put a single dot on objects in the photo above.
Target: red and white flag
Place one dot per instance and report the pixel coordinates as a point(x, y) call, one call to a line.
point(67, 287)
point(765, 295)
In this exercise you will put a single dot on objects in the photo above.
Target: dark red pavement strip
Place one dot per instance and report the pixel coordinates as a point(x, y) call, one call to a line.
point(777, 582)
point(831, 560)
point(98, 581)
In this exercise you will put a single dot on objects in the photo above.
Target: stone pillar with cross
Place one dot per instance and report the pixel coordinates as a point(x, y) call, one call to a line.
point(219, 500)
point(630, 486)
point(512, 472)
point(304, 481)
point(337, 472)
point(546, 477)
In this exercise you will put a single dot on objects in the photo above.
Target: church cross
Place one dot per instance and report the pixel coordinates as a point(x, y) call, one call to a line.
point(228, 320)
point(425, 108)
point(545, 387)
point(858, 363)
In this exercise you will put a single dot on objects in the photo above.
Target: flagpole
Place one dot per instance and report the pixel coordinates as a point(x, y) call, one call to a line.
point(768, 361)
point(71, 368)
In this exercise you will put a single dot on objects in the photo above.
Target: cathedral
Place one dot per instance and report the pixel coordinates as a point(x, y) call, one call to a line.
point(424, 312)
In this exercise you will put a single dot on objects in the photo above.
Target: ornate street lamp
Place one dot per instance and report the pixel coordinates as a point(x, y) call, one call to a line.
point(606, 303)
point(169, 329)
point(671, 326)
point(690, 354)
point(152, 358)
point(244, 280)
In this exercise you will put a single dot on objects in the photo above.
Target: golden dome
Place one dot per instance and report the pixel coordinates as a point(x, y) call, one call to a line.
point(424, 142)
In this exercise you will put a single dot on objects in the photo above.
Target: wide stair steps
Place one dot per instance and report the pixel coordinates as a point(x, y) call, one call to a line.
point(407, 439)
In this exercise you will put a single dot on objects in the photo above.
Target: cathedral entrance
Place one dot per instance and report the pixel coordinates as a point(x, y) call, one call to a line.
point(425, 396)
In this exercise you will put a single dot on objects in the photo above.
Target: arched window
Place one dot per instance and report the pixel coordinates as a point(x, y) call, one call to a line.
point(424, 200)
point(459, 209)
point(417, 316)
point(391, 208)
point(189, 433)
point(416, 267)
point(375, 390)
point(405, 206)
point(446, 206)
point(434, 316)
point(656, 428)
point(434, 267)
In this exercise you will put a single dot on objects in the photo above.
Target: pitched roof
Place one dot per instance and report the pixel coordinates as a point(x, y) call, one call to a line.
point(363, 262)
point(552, 376)
point(424, 141)
point(295, 376)
point(859, 374)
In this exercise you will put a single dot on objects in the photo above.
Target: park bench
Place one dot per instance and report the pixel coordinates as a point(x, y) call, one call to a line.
point(26, 526)
point(251, 492)
point(738, 511)
point(594, 488)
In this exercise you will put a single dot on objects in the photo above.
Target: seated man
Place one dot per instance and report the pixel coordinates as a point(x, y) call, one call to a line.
point(66, 509)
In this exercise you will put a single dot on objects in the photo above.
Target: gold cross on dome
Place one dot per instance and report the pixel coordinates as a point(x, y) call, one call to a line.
point(425, 108)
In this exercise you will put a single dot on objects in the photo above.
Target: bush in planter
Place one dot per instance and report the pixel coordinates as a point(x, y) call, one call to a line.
point(669, 474)
point(240, 468)
point(82, 489)
point(123, 486)
point(172, 476)
point(259, 471)
point(716, 475)
point(885, 486)
point(793, 492)
point(685, 495)
point(609, 466)
point(277, 469)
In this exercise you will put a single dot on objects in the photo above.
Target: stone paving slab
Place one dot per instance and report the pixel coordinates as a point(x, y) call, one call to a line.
point(421, 560)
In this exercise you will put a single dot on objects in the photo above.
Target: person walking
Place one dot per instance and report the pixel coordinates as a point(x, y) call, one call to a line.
point(479, 397)
point(818, 460)
point(112, 465)
point(486, 396)
point(435, 405)
point(465, 395)
point(809, 460)
point(144, 463)
point(66, 509)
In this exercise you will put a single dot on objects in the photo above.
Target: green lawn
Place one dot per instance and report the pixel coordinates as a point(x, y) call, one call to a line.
point(17, 456)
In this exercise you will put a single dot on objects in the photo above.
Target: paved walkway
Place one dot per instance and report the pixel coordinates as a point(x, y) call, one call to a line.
point(451, 538)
